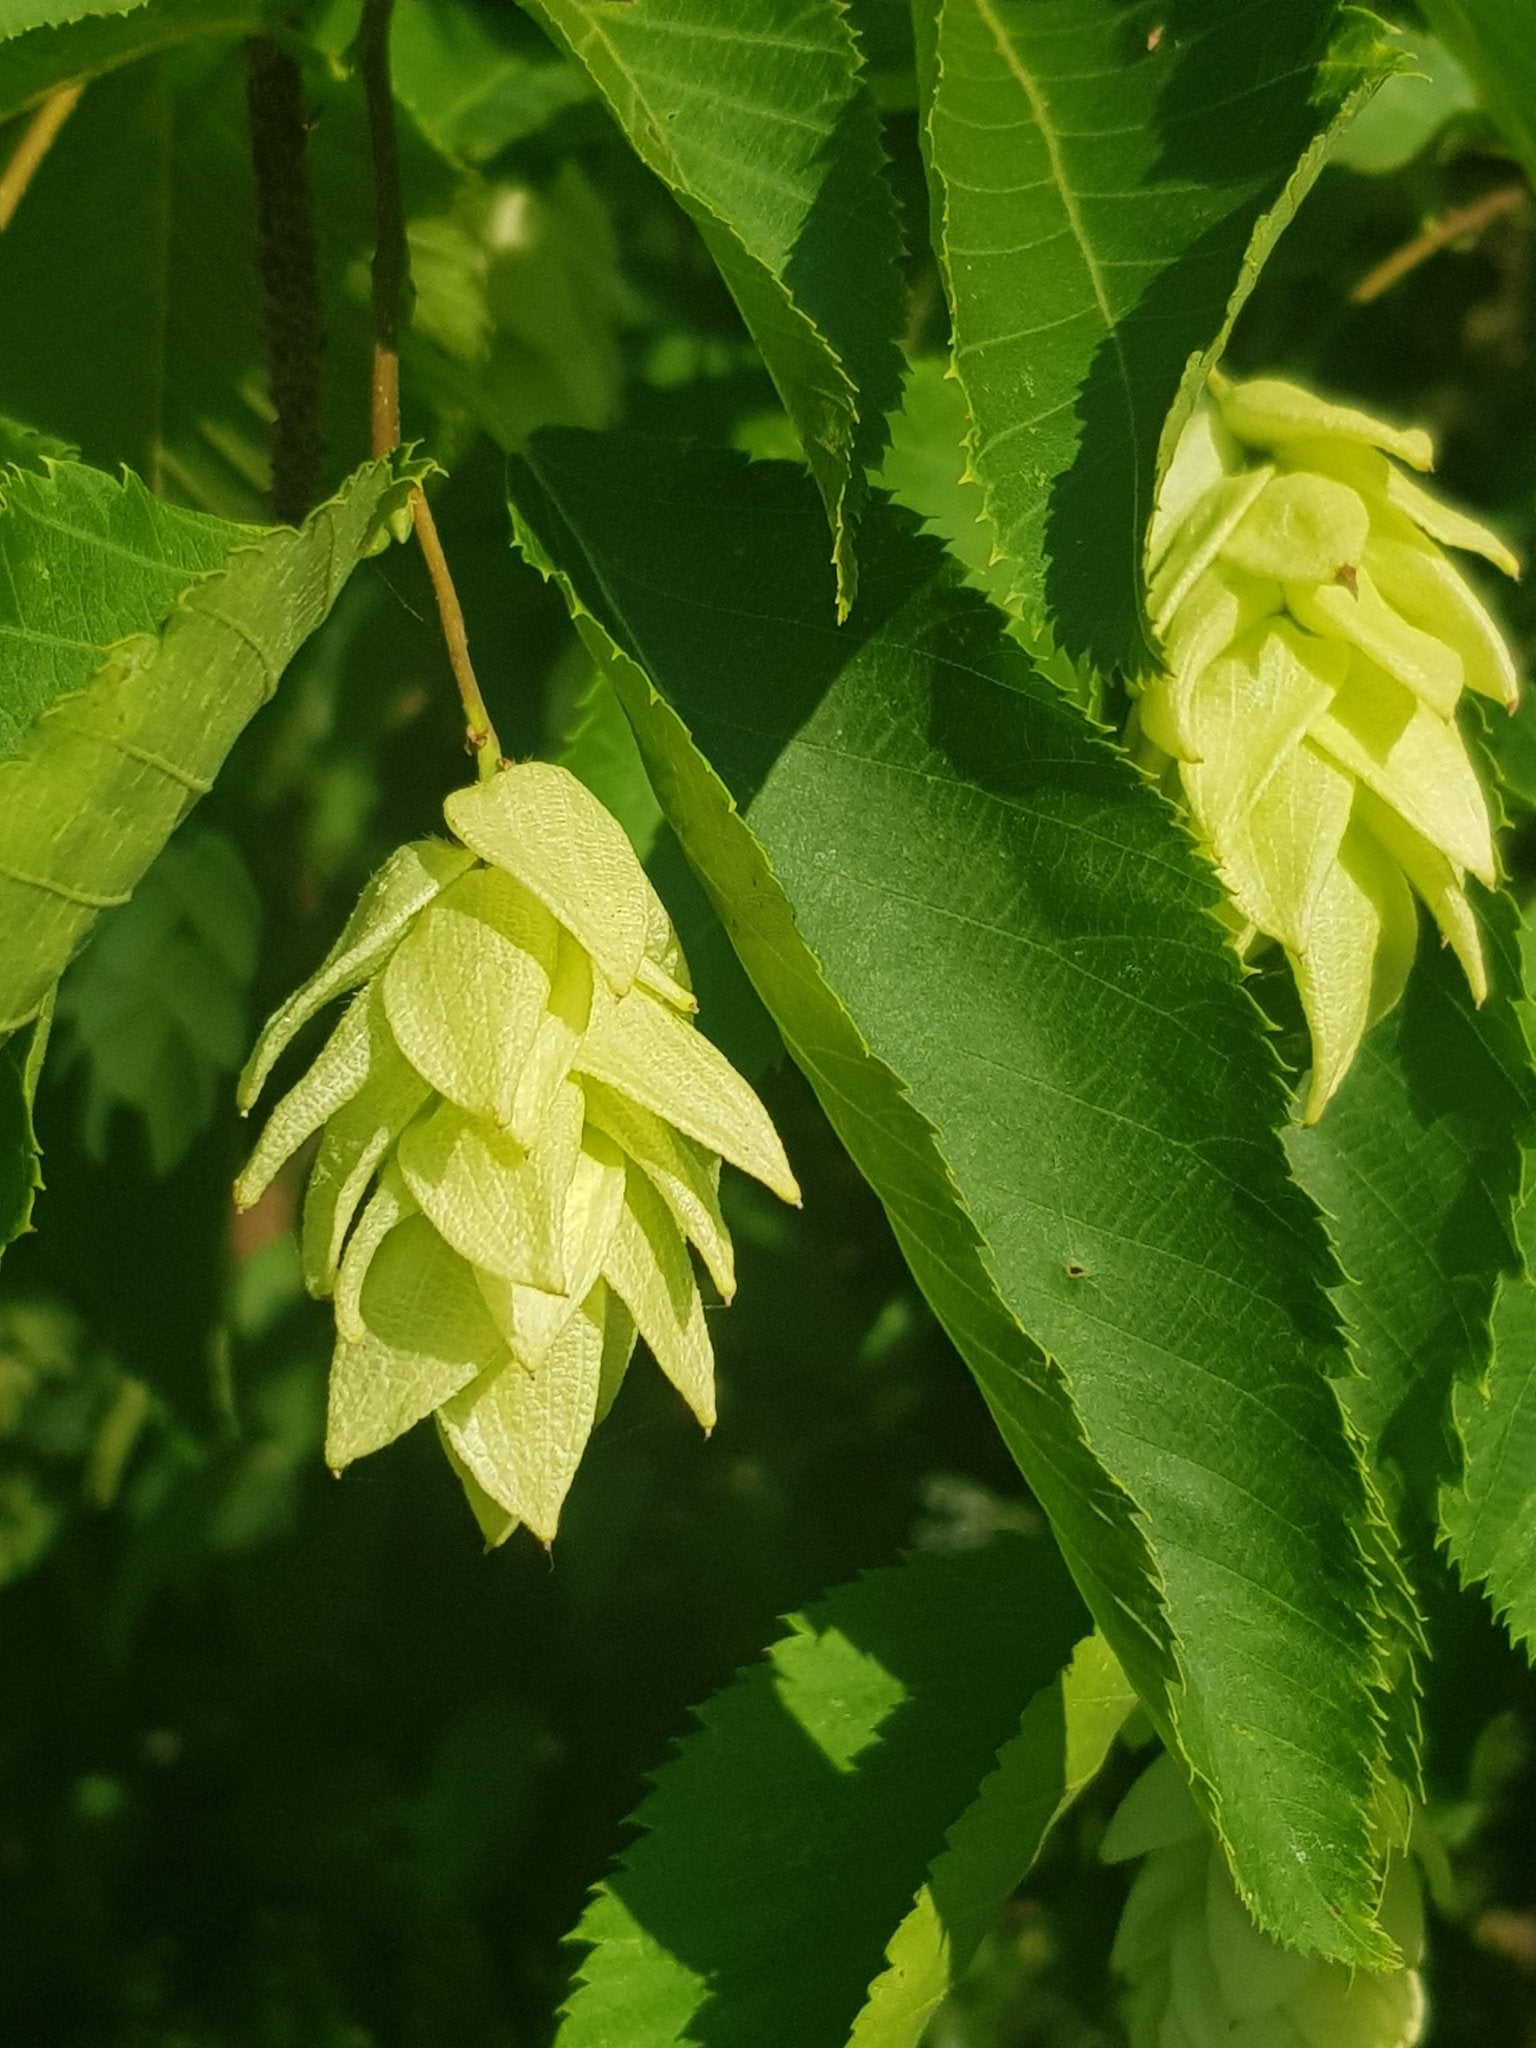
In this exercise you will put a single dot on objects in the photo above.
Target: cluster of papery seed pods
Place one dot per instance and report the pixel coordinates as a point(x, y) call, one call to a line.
point(1316, 640)
point(1199, 1974)
point(520, 1084)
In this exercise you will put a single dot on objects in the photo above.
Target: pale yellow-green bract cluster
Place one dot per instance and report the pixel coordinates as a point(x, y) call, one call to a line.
point(1199, 1974)
point(1316, 640)
point(523, 1133)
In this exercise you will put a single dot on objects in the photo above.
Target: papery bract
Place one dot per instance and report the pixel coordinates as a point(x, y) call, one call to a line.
point(1316, 643)
point(522, 1137)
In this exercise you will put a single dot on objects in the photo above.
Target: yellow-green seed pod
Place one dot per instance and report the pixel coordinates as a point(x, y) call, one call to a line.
point(522, 1133)
point(1317, 640)
point(1199, 1973)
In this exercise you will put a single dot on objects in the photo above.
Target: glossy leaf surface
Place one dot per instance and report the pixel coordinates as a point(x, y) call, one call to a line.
point(993, 954)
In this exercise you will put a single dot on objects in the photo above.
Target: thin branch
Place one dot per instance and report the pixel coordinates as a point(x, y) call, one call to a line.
point(290, 272)
point(391, 276)
point(1451, 227)
point(34, 146)
point(391, 254)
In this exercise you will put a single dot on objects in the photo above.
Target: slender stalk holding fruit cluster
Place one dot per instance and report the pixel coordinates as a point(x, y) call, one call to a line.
point(391, 275)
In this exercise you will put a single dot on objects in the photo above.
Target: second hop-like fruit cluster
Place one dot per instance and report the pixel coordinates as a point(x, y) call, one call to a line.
point(1317, 640)
point(523, 1131)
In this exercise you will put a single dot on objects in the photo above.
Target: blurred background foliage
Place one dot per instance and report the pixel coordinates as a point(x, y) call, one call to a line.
point(291, 1764)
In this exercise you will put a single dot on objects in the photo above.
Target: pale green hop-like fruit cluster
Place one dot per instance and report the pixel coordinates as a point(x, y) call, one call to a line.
point(1200, 1974)
point(523, 1132)
point(1316, 641)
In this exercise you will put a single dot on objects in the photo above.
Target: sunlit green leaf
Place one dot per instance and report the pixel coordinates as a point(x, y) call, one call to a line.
point(155, 1008)
point(93, 789)
point(1417, 1166)
point(754, 113)
point(1106, 182)
point(994, 955)
point(97, 40)
point(1061, 1743)
point(841, 1761)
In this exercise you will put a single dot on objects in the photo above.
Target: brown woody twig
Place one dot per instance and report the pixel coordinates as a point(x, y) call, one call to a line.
point(34, 145)
point(391, 274)
point(1451, 227)
point(289, 265)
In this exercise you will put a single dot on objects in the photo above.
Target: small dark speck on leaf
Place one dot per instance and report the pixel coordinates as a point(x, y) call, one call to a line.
point(1349, 576)
point(1074, 1271)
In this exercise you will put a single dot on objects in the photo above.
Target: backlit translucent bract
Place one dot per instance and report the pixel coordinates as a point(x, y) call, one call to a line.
point(1317, 641)
point(1199, 1973)
point(521, 1136)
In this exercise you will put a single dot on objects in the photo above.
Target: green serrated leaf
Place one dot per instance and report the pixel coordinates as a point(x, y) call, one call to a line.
point(89, 561)
point(478, 80)
point(92, 41)
point(21, 1179)
point(17, 16)
point(155, 1008)
point(1488, 1509)
point(1410, 111)
point(1496, 41)
point(754, 113)
point(1106, 184)
point(92, 790)
point(1488, 1520)
point(841, 1760)
point(1417, 1166)
point(1062, 1741)
point(1049, 1070)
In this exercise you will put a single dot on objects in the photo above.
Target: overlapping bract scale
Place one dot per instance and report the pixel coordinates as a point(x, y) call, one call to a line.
point(521, 1137)
point(1316, 642)
point(1200, 1974)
